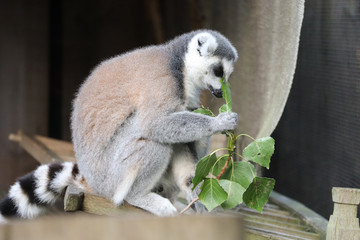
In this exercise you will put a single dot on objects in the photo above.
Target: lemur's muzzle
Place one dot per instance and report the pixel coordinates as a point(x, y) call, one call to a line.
point(216, 92)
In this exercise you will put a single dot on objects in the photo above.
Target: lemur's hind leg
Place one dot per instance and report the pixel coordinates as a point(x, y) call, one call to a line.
point(153, 203)
point(151, 162)
point(183, 170)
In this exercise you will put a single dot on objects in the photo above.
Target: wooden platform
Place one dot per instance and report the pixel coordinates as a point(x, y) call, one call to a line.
point(135, 227)
point(282, 218)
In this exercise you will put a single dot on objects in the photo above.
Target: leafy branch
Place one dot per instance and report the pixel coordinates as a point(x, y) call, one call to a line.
point(227, 182)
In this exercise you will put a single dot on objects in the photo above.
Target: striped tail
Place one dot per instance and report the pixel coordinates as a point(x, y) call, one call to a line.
point(34, 192)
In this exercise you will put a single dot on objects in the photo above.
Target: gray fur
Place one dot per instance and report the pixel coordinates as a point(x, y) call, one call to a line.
point(130, 122)
point(225, 49)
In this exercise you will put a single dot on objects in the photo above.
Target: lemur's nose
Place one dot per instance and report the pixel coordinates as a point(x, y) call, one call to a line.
point(216, 92)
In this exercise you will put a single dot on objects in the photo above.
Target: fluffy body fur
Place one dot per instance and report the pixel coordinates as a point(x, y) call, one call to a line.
point(130, 118)
point(131, 126)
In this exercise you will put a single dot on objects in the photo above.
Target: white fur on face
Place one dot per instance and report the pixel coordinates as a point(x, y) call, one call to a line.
point(206, 44)
point(211, 80)
point(198, 71)
point(228, 68)
point(197, 62)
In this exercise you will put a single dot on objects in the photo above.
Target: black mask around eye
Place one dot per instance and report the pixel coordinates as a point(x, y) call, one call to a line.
point(218, 71)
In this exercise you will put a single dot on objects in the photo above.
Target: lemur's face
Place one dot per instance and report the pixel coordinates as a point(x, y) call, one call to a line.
point(220, 69)
point(204, 67)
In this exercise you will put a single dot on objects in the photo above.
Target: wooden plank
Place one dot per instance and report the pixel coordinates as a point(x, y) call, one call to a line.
point(44, 149)
point(100, 206)
point(309, 217)
point(260, 219)
point(35, 148)
point(271, 206)
point(278, 228)
point(268, 234)
point(252, 234)
point(81, 226)
point(75, 199)
point(278, 217)
point(63, 149)
point(276, 211)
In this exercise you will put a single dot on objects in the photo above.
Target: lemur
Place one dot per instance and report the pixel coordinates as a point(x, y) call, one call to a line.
point(132, 123)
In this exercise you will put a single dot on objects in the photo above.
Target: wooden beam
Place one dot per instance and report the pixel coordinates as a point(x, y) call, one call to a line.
point(77, 200)
point(35, 148)
point(73, 199)
point(63, 149)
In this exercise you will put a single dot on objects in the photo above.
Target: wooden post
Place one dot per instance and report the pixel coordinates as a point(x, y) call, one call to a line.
point(343, 224)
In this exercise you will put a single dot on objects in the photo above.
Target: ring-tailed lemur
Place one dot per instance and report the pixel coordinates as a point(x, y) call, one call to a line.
point(131, 122)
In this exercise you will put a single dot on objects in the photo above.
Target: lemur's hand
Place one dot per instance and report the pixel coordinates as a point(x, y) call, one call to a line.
point(226, 121)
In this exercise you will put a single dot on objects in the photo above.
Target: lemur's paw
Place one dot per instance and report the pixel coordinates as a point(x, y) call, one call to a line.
point(166, 209)
point(227, 121)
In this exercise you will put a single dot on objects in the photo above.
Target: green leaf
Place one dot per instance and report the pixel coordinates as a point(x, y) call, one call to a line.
point(220, 163)
point(212, 194)
point(205, 111)
point(203, 168)
point(235, 193)
point(258, 193)
point(223, 108)
point(241, 172)
point(225, 87)
point(260, 151)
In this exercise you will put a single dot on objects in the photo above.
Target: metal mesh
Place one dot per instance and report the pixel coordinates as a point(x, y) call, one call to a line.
point(318, 137)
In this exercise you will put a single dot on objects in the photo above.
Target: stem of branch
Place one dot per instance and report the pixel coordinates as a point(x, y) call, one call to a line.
point(189, 205)
point(231, 146)
point(223, 168)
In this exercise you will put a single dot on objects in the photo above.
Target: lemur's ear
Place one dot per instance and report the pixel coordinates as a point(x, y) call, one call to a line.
point(206, 45)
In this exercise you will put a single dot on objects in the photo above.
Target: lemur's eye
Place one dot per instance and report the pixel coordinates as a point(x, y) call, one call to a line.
point(218, 71)
point(160, 188)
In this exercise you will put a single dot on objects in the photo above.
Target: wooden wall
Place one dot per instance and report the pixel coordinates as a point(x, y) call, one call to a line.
point(23, 80)
point(91, 32)
point(47, 49)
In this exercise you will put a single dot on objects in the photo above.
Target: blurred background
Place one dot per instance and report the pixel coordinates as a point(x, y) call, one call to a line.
point(47, 48)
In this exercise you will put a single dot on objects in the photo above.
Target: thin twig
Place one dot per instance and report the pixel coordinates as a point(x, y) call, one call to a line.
point(218, 177)
point(231, 152)
point(223, 168)
point(189, 205)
